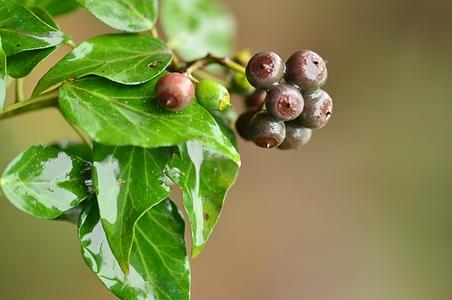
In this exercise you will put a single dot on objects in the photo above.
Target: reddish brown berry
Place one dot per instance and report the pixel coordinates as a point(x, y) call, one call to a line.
point(317, 110)
point(174, 91)
point(242, 125)
point(284, 102)
point(296, 136)
point(265, 69)
point(256, 100)
point(266, 130)
point(307, 70)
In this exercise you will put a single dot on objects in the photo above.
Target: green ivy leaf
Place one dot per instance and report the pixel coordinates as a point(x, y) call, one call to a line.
point(3, 76)
point(205, 176)
point(78, 149)
point(196, 27)
point(223, 120)
point(21, 64)
point(45, 182)
point(21, 30)
point(123, 58)
point(159, 267)
point(128, 182)
point(124, 15)
point(120, 115)
point(55, 7)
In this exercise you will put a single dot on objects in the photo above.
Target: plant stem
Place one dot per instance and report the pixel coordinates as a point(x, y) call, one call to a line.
point(154, 32)
point(213, 59)
point(206, 75)
point(45, 100)
point(20, 90)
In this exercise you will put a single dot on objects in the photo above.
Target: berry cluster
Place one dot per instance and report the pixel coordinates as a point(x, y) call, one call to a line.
point(287, 102)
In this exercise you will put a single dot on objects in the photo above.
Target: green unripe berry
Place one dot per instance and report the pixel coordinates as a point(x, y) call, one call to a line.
point(212, 95)
point(240, 85)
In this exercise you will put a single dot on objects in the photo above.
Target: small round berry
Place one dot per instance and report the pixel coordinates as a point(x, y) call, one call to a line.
point(265, 69)
point(174, 91)
point(242, 125)
point(212, 95)
point(256, 100)
point(317, 110)
point(266, 130)
point(306, 69)
point(284, 102)
point(240, 85)
point(296, 136)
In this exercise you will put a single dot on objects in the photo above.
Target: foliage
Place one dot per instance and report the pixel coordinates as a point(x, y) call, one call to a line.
point(116, 186)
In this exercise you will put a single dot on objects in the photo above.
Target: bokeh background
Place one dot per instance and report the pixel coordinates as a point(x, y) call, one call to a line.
point(362, 213)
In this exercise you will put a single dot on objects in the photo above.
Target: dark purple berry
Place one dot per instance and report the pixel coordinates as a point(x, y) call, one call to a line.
point(306, 69)
point(296, 136)
point(318, 107)
point(242, 125)
point(174, 91)
point(265, 69)
point(284, 102)
point(256, 100)
point(266, 130)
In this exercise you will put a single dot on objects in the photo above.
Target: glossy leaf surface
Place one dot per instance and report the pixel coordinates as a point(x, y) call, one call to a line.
point(128, 182)
point(55, 7)
point(45, 182)
point(123, 58)
point(115, 114)
point(159, 267)
point(196, 27)
point(124, 15)
point(205, 177)
point(21, 30)
point(3, 76)
point(21, 64)
point(73, 148)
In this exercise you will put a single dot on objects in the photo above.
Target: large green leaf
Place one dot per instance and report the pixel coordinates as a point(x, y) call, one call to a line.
point(3, 76)
point(45, 181)
point(55, 7)
point(128, 182)
point(159, 267)
point(115, 114)
point(21, 64)
point(123, 58)
point(124, 15)
point(205, 177)
point(196, 27)
point(21, 30)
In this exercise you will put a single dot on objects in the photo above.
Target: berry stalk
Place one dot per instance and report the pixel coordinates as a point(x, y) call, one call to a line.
point(213, 59)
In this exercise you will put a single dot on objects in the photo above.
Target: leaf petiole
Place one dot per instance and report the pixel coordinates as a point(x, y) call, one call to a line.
point(48, 99)
point(20, 90)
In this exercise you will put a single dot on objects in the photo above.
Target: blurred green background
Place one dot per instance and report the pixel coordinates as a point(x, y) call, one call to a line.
point(362, 213)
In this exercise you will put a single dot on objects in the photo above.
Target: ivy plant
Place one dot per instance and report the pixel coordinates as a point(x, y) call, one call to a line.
point(115, 185)
point(152, 115)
